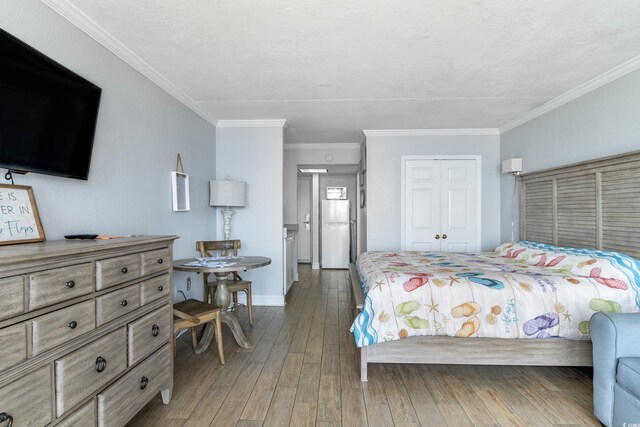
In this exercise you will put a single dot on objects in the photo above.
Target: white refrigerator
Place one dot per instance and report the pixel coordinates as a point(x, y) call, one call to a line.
point(335, 232)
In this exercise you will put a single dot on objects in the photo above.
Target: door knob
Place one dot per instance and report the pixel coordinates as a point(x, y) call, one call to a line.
point(444, 236)
point(437, 236)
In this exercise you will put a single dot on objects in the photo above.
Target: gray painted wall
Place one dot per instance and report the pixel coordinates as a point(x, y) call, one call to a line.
point(601, 123)
point(140, 130)
point(254, 155)
point(384, 182)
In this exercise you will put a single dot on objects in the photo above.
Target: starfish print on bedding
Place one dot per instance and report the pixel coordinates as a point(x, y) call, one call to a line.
point(566, 315)
point(453, 280)
point(433, 307)
point(378, 285)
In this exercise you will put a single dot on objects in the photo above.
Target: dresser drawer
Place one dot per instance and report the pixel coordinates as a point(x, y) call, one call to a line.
point(117, 303)
point(148, 333)
point(154, 261)
point(60, 284)
point(113, 271)
point(83, 417)
point(124, 398)
point(13, 345)
point(28, 400)
point(153, 289)
point(12, 301)
point(84, 371)
point(60, 326)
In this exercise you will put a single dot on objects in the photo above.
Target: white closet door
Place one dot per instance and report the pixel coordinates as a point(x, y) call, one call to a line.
point(459, 206)
point(422, 205)
point(441, 203)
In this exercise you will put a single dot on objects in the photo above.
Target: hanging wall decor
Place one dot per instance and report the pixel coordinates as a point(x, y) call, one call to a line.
point(180, 188)
point(19, 218)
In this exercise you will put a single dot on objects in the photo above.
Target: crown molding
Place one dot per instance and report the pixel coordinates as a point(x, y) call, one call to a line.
point(324, 146)
point(613, 74)
point(430, 132)
point(78, 18)
point(271, 123)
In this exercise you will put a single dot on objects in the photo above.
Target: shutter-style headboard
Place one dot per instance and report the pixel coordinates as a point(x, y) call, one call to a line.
point(593, 204)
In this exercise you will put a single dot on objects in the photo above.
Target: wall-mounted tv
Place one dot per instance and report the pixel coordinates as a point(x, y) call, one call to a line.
point(47, 113)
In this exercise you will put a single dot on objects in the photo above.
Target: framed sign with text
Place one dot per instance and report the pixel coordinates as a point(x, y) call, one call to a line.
point(19, 218)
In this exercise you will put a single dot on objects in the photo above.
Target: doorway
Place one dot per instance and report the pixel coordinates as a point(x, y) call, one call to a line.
point(317, 190)
point(304, 219)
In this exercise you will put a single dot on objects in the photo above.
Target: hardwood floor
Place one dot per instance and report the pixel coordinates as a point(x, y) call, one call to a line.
point(302, 369)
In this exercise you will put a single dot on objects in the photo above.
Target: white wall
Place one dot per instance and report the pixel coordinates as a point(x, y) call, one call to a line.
point(310, 156)
point(254, 155)
point(139, 132)
point(384, 182)
point(601, 123)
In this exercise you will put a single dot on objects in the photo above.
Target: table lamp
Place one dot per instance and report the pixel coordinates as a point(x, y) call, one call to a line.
point(227, 194)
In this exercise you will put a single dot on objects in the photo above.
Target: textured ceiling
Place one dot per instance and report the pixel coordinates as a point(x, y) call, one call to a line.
point(334, 68)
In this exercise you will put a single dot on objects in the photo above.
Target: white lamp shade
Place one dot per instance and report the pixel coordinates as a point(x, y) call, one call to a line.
point(227, 193)
point(512, 166)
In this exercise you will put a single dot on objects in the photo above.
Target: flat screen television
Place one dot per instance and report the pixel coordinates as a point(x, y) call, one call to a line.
point(47, 113)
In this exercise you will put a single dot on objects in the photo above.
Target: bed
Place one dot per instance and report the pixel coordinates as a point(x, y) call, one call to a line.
point(526, 303)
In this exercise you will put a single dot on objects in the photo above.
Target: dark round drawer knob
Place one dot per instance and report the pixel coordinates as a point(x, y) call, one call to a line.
point(124, 270)
point(6, 417)
point(160, 260)
point(73, 324)
point(124, 303)
point(160, 288)
point(155, 330)
point(71, 284)
point(101, 364)
point(144, 382)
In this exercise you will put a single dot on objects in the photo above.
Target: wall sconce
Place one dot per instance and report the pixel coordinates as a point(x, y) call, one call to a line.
point(512, 166)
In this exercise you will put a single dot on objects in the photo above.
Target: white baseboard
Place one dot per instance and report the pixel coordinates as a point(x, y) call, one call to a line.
point(315, 266)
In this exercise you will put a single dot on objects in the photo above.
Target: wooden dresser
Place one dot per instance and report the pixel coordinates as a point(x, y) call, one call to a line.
point(85, 330)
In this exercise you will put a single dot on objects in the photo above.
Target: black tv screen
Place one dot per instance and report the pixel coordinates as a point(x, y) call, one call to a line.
point(47, 113)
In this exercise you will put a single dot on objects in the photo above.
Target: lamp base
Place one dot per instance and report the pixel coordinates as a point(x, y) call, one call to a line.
point(227, 213)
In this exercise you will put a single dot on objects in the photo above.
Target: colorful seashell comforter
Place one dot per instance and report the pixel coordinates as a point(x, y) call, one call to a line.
point(521, 290)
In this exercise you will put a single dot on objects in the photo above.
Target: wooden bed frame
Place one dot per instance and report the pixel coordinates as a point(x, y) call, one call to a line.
point(594, 204)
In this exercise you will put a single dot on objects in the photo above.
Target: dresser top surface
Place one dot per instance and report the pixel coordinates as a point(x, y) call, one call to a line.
point(12, 254)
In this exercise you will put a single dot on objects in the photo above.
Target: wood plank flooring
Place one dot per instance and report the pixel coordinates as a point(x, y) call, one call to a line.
point(303, 370)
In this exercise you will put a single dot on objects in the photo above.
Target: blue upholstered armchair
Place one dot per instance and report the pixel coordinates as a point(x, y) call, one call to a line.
point(616, 368)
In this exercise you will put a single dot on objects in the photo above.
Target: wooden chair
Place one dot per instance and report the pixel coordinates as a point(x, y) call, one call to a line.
point(192, 313)
point(235, 284)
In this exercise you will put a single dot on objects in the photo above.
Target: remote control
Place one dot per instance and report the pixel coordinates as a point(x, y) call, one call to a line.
point(81, 236)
